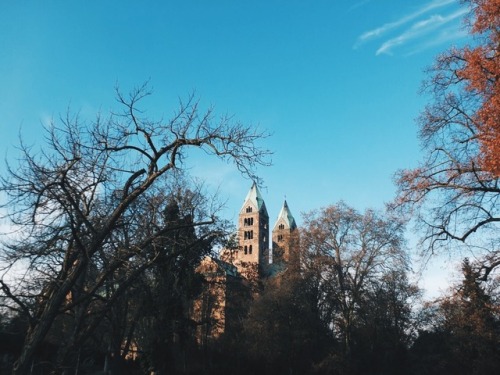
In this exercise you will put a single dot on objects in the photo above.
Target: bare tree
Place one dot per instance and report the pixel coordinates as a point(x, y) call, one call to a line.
point(452, 199)
point(74, 198)
point(453, 193)
point(349, 252)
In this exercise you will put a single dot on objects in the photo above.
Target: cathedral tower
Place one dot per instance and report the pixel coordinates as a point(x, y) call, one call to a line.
point(253, 231)
point(285, 241)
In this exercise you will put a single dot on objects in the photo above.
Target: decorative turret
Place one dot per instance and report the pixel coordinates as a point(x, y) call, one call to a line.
point(284, 237)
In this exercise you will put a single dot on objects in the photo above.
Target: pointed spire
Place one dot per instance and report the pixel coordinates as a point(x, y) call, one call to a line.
point(286, 217)
point(255, 198)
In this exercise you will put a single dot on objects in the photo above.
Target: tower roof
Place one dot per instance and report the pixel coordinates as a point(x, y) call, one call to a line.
point(286, 217)
point(255, 198)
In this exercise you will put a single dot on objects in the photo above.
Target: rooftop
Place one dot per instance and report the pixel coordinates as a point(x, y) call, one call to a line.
point(286, 216)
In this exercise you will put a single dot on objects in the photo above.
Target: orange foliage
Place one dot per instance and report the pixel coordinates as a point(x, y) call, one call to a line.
point(481, 70)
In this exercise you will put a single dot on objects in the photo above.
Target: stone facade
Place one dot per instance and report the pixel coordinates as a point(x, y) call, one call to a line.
point(253, 250)
point(253, 233)
point(285, 237)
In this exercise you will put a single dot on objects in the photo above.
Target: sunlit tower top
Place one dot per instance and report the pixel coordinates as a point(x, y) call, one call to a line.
point(253, 230)
point(284, 240)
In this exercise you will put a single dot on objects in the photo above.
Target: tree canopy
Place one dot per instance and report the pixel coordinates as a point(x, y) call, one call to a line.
point(479, 68)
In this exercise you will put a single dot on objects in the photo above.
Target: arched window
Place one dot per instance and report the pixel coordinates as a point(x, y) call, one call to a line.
point(280, 237)
point(281, 226)
point(250, 249)
point(249, 209)
point(246, 249)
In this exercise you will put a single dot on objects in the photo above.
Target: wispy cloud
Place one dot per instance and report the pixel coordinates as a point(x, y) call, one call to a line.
point(379, 31)
point(419, 29)
point(413, 25)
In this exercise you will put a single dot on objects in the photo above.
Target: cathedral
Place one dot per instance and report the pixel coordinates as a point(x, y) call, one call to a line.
point(239, 270)
point(254, 250)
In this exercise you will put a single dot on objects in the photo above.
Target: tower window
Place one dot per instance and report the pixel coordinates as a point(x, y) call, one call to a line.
point(248, 235)
point(281, 226)
point(280, 237)
point(246, 250)
point(248, 221)
point(249, 249)
point(249, 209)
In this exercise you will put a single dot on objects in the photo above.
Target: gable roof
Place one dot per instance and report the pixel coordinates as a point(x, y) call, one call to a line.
point(286, 217)
point(255, 198)
point(228, 268)
point(211, 266)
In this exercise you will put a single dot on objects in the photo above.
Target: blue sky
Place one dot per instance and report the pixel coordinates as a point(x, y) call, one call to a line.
point(335, 82)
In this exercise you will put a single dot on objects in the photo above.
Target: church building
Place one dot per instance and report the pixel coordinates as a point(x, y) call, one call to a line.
point(256, 257)
point(253, 249)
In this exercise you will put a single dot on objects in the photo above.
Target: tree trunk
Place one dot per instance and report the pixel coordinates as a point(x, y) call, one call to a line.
point(36, 334)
